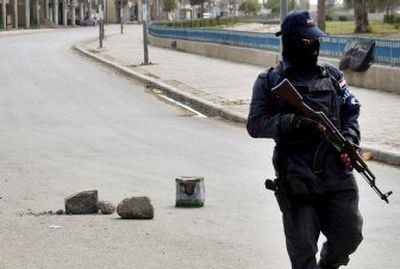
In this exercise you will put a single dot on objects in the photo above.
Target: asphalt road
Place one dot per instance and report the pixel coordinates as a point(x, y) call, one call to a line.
point(67, 124)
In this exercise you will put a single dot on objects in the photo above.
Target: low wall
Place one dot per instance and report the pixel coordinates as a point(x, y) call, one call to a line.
point(230, 53)
point(378, 77)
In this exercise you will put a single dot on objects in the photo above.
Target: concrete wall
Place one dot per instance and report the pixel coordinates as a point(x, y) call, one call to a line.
point(378, 77)
point(231, 53)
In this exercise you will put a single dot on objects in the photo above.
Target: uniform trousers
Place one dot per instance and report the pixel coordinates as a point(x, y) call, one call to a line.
point(335, 215)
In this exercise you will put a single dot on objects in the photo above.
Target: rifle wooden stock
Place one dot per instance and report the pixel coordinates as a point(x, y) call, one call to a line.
point(287, 92)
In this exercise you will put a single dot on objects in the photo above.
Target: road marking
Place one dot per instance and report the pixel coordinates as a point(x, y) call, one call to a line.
point(200, 115)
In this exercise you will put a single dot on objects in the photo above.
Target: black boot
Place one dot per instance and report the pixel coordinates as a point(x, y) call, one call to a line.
point(324, 265)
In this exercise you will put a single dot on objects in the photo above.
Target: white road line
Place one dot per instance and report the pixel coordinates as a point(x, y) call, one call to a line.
point(200, 115)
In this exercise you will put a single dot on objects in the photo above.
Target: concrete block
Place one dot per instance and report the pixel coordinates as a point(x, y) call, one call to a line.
point(190, 192)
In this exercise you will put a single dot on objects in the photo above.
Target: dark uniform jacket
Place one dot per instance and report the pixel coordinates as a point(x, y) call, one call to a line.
point(323, 89)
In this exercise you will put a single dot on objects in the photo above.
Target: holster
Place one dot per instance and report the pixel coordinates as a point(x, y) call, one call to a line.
point(278, 187)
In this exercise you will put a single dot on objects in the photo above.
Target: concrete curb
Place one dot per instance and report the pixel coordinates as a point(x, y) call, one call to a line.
point(386, 156)
point(201, 105)
point(206, 107)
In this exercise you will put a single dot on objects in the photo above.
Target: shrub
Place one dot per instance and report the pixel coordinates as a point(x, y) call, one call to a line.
point(392, 18)
point(202, 22)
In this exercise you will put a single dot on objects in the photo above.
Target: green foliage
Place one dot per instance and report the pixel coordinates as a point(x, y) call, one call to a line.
point(376, 5)
point(379, 28)
point(250, 7)
point(201, 3)
point(348, 3)
point(382, 5)
point(392, 18)
point(169, 5)
point(197, 2)
point(343, 18)
point(211, 22)
point(275, 5)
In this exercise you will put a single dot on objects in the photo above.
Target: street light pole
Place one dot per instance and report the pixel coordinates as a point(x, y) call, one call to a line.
point(145, 42)
point(101, 24)
point(121, 15)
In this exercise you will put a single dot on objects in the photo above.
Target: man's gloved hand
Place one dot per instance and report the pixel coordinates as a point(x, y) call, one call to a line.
point(346, 160)
point(345, 154)
point(305, 125)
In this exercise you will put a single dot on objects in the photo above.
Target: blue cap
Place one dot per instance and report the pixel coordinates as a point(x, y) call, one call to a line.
point(300, 22)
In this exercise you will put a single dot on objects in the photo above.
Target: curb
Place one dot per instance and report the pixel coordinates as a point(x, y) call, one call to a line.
point(386, 156)
point(209, 108)
point(201, 105)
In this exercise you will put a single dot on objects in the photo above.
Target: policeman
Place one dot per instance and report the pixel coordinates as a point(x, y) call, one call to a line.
point(321, 187)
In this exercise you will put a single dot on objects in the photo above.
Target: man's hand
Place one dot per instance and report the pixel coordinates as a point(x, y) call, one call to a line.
point(345, 156)
point(306, 125)
point(346, 160)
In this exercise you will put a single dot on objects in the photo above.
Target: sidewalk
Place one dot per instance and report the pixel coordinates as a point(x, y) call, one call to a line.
point(221, 88)
point(13, 32)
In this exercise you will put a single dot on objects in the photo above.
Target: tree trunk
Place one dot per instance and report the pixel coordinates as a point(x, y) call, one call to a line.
point(202, 10)
point(321, 14)
point(361, 16)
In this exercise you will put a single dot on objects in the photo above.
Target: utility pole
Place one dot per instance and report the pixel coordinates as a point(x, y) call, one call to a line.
point(81, 11)
point(283, 14)
point(65, 12)
point(73, 12)
point(158, 10)
point(55, 11)
point(37, 11)
point(16, 14)
point(46, 9)
point(121, 15)
point(90, 9)
point(145, 42)
point(27, 14)
point(4, 14)
point(101, 24)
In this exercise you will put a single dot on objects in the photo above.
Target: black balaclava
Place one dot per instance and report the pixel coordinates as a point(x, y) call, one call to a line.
point(298, 53)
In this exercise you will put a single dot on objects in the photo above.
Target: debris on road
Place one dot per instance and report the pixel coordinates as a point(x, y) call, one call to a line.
point(136, 208)
point(60, 212)
point(54, 227)
point(190, 192)
point(84, 202)
point(367, 156)
point(105, 207)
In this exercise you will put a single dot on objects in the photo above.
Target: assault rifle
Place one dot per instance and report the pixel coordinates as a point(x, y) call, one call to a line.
point(287, 92)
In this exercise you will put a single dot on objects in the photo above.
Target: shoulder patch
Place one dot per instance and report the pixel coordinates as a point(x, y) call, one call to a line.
point(342, 83)
point(344, 88)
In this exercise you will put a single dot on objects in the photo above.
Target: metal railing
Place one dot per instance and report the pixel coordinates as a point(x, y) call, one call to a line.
point(386, 52)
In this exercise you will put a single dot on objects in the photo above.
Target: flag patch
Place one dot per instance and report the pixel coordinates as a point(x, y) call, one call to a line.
point(342, 83)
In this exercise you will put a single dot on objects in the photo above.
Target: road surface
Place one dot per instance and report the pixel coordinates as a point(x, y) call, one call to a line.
point(68, 124)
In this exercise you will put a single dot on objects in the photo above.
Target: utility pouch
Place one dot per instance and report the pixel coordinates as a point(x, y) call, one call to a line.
point(277, 186)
